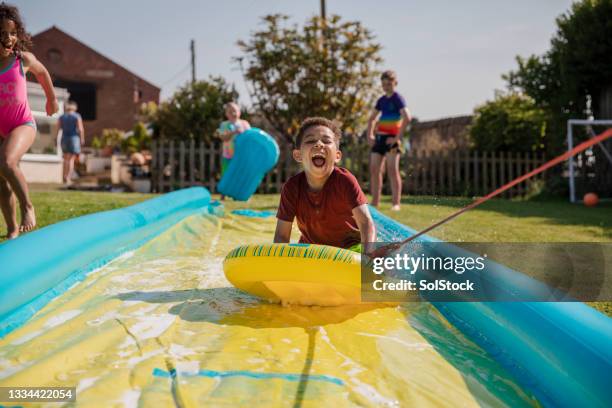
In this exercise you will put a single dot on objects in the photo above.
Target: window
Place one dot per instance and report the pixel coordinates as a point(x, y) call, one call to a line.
point(83, 93)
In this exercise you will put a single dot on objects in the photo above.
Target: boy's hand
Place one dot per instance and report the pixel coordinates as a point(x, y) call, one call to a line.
point(371, 140)
point(368, 249)
point(51, 107)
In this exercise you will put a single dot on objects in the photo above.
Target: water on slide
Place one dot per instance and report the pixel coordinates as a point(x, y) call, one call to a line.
point(161, 326)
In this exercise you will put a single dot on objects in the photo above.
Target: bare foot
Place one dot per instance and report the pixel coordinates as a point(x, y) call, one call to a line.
point(12, 234)
point(396, 207)
point(28, 219)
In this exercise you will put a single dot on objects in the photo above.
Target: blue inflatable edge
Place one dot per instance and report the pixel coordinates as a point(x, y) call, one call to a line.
point(29, 277)
point(560, 351)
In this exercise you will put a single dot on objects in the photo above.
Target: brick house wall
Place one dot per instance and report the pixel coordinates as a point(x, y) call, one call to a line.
point(83, 71)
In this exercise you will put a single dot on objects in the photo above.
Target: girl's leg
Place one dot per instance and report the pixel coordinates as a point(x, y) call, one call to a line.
point(393, 159)
point(376, 166)
point(14, 147)
point(9, 207)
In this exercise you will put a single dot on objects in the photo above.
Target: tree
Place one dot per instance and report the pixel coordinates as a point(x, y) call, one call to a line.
point(195, 110)
point(574, 71)
point(327, 69)
point(511, 122)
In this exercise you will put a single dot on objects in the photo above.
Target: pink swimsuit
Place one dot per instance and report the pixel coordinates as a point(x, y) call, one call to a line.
point(14, 108)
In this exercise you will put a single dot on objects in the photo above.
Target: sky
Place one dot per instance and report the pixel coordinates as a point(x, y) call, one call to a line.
point(449, 55)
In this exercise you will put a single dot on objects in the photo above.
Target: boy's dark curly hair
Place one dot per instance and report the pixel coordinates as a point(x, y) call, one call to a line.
point(8, 12)
point(317, 121)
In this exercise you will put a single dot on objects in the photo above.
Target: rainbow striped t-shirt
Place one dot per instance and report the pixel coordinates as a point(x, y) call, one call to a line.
point(391, 118)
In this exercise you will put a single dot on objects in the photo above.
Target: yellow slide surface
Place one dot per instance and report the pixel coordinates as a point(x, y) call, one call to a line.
point(161, 326)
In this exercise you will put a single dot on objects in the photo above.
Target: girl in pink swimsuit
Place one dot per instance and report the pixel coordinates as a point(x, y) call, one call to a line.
point(17, 128)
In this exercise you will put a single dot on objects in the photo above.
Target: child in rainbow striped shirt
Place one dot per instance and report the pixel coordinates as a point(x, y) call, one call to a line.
point(391, 116)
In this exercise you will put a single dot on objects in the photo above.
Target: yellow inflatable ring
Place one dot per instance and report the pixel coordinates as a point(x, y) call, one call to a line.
point(302, 274)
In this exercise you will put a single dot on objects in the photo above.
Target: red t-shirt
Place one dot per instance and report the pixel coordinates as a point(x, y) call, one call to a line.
point(323, 217)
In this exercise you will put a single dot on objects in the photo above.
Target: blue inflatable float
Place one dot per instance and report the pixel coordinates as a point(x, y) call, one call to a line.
point(255, 153)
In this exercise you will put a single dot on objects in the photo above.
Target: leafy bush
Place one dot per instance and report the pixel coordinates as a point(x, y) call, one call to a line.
point(195, 110)
point(511, 122)
point(138, 141)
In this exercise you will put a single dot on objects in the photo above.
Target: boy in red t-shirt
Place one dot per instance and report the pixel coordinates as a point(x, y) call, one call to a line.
point(327, 201)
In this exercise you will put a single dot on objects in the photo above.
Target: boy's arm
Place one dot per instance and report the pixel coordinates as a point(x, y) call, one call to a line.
point(43, 78)
point(366, 225)
point(406, 119)
point(371, 123)
point(282, 235)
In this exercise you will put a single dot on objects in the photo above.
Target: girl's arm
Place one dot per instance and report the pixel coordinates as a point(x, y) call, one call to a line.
point(44, 79)
point(226, 136)
point(244, 125)
point(81, 130)
point(223, 134)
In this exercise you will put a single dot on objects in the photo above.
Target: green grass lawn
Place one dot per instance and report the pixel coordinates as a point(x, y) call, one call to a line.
point(494, 221)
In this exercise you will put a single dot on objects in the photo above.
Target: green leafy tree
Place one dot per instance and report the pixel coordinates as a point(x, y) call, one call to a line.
point(326, 68)
point(510, 122)
point(575, 70)
point(195, 110)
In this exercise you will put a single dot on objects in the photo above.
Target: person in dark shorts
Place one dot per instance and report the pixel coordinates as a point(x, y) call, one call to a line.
point(389, 118)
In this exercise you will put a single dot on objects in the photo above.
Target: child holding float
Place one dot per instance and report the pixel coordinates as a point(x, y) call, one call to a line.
point(326, 200)
point(228, 130)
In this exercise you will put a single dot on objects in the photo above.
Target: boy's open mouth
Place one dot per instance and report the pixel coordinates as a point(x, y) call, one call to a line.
point(318, 160)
